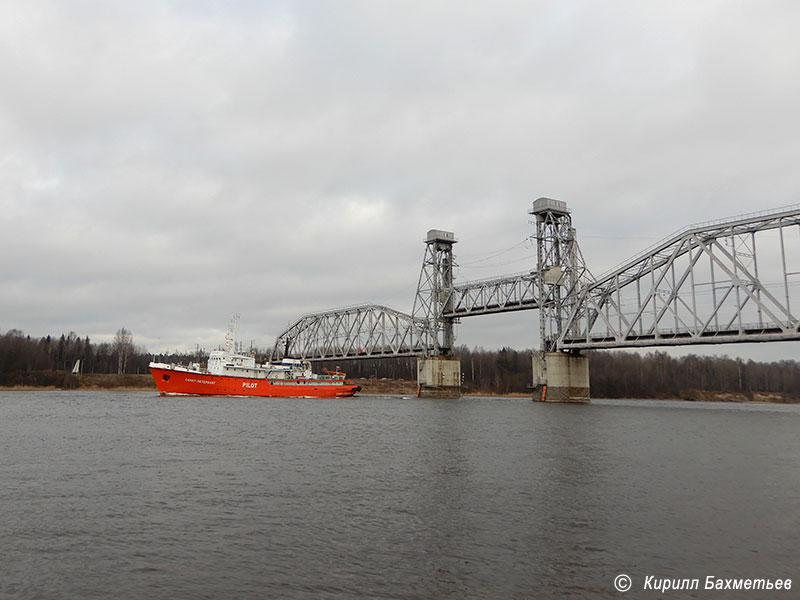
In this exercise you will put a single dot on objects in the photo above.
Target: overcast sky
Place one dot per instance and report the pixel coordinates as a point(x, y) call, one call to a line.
point(164, 165)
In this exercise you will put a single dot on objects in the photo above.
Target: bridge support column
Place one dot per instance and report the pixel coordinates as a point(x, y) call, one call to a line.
point(439, 377)
point(560, 377)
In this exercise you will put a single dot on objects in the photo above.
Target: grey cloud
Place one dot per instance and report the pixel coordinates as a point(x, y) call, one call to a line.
point(166, 164)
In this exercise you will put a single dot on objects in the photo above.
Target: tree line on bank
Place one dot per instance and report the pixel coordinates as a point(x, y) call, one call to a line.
point(613, 374)
point(25, 360)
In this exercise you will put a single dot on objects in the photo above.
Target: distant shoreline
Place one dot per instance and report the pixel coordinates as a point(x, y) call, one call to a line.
point(145, 383)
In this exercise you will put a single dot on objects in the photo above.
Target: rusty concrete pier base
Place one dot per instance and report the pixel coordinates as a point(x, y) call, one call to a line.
point(560, 377)
point(439, 377)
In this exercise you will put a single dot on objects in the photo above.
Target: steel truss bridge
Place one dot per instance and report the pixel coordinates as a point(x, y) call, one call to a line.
point(726, 281)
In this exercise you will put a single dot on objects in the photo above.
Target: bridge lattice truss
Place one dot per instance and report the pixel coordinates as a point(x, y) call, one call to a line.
point(728, 281)
point(721, 282)
point(497, 295)
point(366, 331)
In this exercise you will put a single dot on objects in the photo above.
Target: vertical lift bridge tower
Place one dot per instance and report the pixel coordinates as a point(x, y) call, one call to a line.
point(557, 376)
point(438, 372)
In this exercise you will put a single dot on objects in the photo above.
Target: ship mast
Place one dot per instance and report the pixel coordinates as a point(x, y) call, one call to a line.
point(230, 337)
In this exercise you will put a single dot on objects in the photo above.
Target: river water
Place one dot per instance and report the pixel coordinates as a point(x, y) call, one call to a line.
point(128, 495)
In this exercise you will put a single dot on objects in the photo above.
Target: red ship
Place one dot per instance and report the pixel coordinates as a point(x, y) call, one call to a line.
point(232, 374)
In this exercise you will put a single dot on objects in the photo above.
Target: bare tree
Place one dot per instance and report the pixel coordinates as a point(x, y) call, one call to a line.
point(124, 348)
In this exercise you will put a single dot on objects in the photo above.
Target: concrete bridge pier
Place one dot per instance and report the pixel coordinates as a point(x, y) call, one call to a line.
point(560, 377)
point(439, 377)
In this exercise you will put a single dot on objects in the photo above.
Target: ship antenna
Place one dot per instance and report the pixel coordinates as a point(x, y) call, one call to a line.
point(287, 343)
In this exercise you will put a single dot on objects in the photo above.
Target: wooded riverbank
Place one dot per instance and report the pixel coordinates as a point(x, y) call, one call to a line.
point(46, 363)
point(144, 382)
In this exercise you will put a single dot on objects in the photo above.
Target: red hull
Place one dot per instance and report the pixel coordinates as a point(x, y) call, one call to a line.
point(173, 381)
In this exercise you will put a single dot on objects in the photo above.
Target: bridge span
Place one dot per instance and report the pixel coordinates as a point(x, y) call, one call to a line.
point(732, 280)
